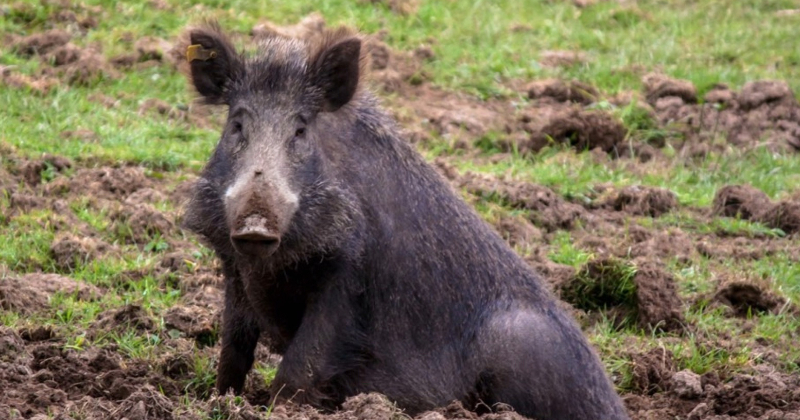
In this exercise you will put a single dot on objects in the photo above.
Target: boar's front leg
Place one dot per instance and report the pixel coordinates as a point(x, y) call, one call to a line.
point(327, 351)
point(239, 338)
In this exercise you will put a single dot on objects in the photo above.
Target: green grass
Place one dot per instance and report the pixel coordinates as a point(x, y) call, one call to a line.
point(484, 48)
point(602, 284)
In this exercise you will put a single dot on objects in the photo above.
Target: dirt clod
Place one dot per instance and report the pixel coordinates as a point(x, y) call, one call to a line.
point(720, 94)
point(643, 201)
point(686, 384)
point(755, 94)
point(518, 232)
point(40, 85)
point(90, 68)
point(561, 91)
point(142, 223)
point(152, 48)
point(70, 251)
point(657, 86)
point(11, 345)
point(41, 43)
point(652, 371)
point(561, 58)
point(784, 216)
point(756, 395)
point(603, 284)
point(31, 293)
point(65, 54)
point(129, 316)
point(581, 129)
point(642, 294)
point(197, 322)
point(741, 201)
point(657, 302)
point(145, 196)
point(750, 203)
point(146, 403)
point(309, 27)
point(32, 170)
point(404, 7)
point(109, 182)
point(747, 298)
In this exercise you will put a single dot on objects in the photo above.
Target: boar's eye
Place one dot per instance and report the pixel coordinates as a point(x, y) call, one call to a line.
point(240, 141)
point(300, 132)
point(237, 127)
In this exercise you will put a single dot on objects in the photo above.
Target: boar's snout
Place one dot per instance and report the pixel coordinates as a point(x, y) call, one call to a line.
point(254, 238)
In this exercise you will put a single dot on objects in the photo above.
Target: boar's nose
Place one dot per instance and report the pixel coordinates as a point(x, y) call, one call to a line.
point(254, 239)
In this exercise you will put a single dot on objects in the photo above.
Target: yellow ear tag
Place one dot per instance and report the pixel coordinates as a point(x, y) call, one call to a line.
point(197, 52)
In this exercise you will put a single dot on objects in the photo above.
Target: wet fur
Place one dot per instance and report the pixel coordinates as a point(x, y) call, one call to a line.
point(387, 281)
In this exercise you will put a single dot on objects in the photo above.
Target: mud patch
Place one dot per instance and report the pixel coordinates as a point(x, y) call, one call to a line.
point(109, 183)
point(518, 232)
point(141, 223)
point(79, 66)
point(157, 49)
point(547, 208)
point(670, 244)
point(12, 347)
point(75, 65)
point(756, 395)
point(145, 196)
point(763, 114)
point(748, 298)
point(71, 251)
point(194, 321)
point(128, 316)
point(51, 380)
point(30, 293)
point(34, 171)
point(145, 403)
point(641, 201)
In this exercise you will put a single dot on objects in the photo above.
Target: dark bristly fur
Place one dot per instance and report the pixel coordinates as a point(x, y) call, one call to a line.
point(384, 280)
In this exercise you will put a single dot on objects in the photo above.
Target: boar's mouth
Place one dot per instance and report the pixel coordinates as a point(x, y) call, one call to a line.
point(255, 238)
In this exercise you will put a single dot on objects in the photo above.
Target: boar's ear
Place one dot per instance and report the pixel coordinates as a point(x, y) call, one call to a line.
point(335, 71)
point(213, 62)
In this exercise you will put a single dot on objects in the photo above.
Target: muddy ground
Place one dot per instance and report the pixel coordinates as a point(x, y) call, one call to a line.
point(43, 377)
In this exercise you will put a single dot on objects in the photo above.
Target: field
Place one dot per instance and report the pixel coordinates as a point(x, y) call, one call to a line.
point(641, 155)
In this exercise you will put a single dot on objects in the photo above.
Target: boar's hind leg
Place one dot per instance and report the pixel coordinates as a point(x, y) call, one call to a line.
point(239, 338)
point(539, 363)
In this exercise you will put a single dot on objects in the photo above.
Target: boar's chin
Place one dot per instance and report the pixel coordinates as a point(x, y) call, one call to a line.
point(254, 239)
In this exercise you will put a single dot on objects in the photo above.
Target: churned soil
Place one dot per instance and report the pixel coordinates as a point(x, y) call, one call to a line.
point(625, 279)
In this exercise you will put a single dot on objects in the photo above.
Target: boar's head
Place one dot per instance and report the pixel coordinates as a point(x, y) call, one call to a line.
point(270, 162)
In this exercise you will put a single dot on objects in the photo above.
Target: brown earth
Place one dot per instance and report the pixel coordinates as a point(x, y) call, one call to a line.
point(42, 373)
point(749, 203)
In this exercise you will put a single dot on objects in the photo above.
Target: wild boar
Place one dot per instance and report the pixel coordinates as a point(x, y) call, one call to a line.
point(356, 260)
